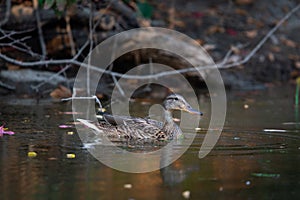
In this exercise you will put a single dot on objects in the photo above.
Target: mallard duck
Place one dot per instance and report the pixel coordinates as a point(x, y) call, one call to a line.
point(144, 128)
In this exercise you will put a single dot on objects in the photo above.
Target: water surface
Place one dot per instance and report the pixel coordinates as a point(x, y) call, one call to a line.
point(256, 157)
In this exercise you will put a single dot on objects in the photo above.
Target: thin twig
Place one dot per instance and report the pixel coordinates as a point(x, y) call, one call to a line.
point(39, 26)
point(118, 86)
point(69, 33)
point(5, 85)
point(18, 44)
point(63, 69)
point(111, 68)
point(84, 98)
point(91, 49)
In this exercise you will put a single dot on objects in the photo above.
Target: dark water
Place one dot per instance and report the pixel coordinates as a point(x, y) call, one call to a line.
point(250, 161)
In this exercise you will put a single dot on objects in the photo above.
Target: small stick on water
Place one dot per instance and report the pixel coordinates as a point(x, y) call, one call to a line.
point(84, 98)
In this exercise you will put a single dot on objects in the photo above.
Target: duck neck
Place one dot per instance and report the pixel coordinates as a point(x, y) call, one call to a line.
point(169, 124)
point(168, 117)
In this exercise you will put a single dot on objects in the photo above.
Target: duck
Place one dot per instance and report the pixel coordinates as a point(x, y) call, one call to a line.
point(134, 128)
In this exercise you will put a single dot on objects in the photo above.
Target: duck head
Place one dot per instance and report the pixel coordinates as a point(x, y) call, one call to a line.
point(177, 102)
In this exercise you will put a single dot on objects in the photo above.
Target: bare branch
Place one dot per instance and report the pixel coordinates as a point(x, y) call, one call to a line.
point(18, 44)
point(265, 38)
point(39, 26)
point(223, 64)
point(63, 70)
point(91, 31)
point(5, 85)
point(70, 35)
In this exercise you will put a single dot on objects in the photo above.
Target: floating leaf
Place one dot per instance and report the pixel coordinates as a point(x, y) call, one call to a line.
point(274, 130)
point(71, 155)
point(70, 113)
point(31, 154)
point(70, 132)
point(186, 194)
point(3, 131)
point(127, 186)
point(64, 126)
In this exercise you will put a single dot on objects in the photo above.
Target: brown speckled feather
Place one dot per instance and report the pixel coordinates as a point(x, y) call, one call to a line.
point(132, 128)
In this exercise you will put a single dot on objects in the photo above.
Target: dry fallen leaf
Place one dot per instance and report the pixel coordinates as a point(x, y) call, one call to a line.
point(271, 57)
point(251, 34)
point(215, 29)
point(12, 66)
point(294, 74)
point(61, 92)
point(275, 49)
point(244, 2)
point(199, 41)
point(257, 23)
point(235, 49)
point(241, 12)
point(297, 64)
point(289, 43)
point(294, 57)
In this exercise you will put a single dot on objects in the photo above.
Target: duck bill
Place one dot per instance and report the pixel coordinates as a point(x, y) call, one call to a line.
point(194, 112)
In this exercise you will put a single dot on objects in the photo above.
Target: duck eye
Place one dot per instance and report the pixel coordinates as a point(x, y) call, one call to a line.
point(173, 98)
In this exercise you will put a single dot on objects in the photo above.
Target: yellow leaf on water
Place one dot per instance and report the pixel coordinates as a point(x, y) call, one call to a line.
point(31, 154)
point(70, 132)
point(71, 155)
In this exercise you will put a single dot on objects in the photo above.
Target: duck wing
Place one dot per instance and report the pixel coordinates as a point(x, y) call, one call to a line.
point(136, 128)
